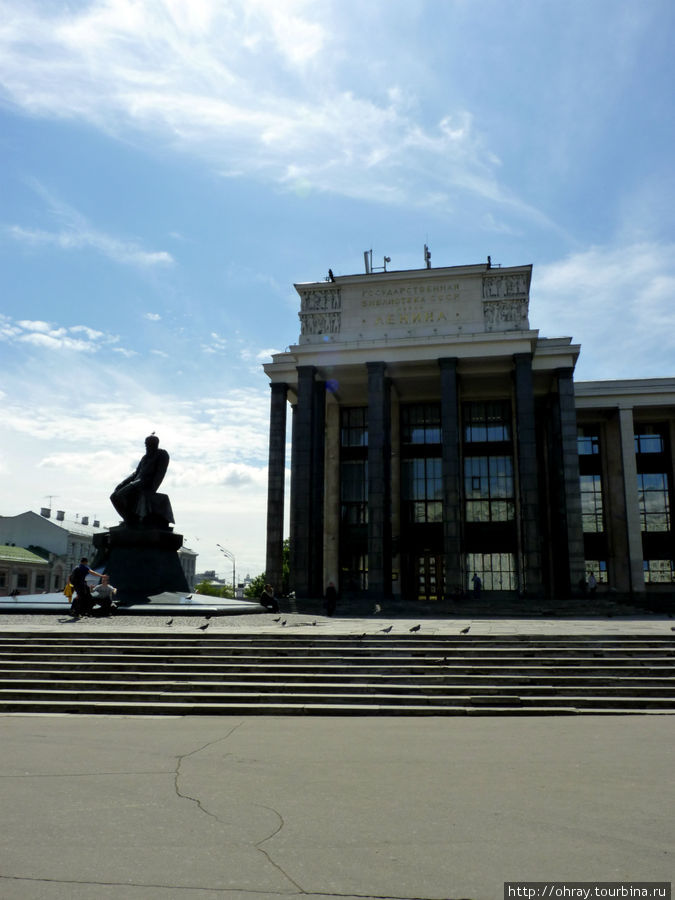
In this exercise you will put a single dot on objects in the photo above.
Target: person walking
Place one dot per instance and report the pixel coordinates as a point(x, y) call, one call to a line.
point(82, 601)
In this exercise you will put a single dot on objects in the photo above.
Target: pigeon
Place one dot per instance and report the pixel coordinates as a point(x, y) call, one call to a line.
point(386, 630)
point(465, 630)
point(415, 628)
point(278, 619)
point(284, 622)
point(204, 627)
point(169, 622)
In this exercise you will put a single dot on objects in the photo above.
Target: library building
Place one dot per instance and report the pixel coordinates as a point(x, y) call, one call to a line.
point(442, 448)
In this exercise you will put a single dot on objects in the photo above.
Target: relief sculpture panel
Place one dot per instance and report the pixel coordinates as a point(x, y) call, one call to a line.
point(320, 300)
point(505, 315)
point(320, 323)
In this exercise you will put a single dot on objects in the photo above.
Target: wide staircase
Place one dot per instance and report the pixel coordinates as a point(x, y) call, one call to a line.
point(411, 675)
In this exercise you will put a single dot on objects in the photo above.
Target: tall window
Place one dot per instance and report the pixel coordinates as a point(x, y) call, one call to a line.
point(422, 489)
point(354, 426)
point(649, 438)
point(592, 513)
point(497, 571)
point(354, 491)
point(654, 501)
point(488, 488)
point(485, 422)
point(421, 424)
point(659, 571)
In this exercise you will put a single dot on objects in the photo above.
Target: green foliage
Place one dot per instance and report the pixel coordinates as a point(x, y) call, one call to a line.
point(256, 586)
point(214, 590)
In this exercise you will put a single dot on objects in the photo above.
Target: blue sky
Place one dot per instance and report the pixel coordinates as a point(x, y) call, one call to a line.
point(169, 168)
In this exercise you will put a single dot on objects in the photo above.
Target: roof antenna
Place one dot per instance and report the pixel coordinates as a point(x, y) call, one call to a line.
point(427, 256)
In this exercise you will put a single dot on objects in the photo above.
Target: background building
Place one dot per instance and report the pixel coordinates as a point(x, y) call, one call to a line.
point(436, 436)
point(61, 542)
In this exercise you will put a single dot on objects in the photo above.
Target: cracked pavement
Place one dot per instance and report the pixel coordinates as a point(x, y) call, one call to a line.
point(266, 807)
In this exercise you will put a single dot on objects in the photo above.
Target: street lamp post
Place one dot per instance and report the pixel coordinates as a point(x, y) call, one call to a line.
point(230, 556)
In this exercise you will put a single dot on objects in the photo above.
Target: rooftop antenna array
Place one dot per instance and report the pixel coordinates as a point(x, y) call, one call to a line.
point(370, 268)
point(427, 256)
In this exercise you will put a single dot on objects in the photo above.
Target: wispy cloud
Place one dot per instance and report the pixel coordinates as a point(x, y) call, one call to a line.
point(617, 301)
point(75, 232)
point(254, 87)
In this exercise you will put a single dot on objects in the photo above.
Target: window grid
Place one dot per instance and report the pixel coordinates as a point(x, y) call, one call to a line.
point(599, 569)
point(654, 501)
point(487, 422)
point(354, 426)
point(421, 423)
point(354, 492)
point(497, 571)
point(423, 489)
point(592, 511)
point(488, 488)
point(658, 571)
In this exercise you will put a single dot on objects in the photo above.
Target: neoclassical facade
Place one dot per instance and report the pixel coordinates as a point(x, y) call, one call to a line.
point(437, 436)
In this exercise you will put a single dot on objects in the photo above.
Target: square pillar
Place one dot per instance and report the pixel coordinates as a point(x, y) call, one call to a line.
point(276, 477)
point(452, 498)
point(528, 481)
point(379, 482)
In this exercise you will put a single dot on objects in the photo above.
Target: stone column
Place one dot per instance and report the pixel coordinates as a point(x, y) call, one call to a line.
point(331, 532)
point(571, 512)
point(530, 550)
point(301, 484)
point(276, 477)
point(318, 432)
point(379, 481)
point(452, 497)
point(632, 506)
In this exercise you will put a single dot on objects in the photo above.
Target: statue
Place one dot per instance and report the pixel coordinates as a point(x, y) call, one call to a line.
point(136, 498)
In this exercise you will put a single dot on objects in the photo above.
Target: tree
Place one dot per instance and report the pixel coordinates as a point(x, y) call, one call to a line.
point(213, 590)
point(257, 585)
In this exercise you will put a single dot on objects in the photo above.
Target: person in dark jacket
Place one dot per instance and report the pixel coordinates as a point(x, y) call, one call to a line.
point(268, 600)
point(330, 599)
point(82, 601)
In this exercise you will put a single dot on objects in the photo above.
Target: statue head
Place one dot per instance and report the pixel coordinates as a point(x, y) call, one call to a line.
point(151, 442)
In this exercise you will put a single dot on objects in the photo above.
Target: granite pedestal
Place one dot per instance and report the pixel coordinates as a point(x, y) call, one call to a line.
point(141, 561)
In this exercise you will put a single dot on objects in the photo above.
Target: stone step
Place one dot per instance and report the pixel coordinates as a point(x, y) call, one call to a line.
point(658, 677)
point(609, 688)
point(165, 707)
point(195, 674)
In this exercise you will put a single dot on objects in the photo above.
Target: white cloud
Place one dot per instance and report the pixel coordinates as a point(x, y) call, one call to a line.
point(617, 301)
point(253, 86)
point(76, 233)
point(47, 336)
point(152, 317)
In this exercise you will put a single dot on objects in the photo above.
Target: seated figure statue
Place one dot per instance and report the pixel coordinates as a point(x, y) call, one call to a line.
point(136, 498)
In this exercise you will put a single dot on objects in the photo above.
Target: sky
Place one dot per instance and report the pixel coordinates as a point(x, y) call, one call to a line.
point(170, 168)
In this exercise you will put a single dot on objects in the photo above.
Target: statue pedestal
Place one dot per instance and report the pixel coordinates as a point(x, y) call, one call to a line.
point(140, 561)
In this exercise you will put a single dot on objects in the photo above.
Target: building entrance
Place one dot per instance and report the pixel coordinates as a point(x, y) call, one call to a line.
point(428, 576)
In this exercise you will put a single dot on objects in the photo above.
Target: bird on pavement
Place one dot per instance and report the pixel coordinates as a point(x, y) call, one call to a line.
point(386, 630)
point(415, 628)
point(169, 622)
point(465, 630)
point(284, 622)
point(278, 619)
point(204, 627)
